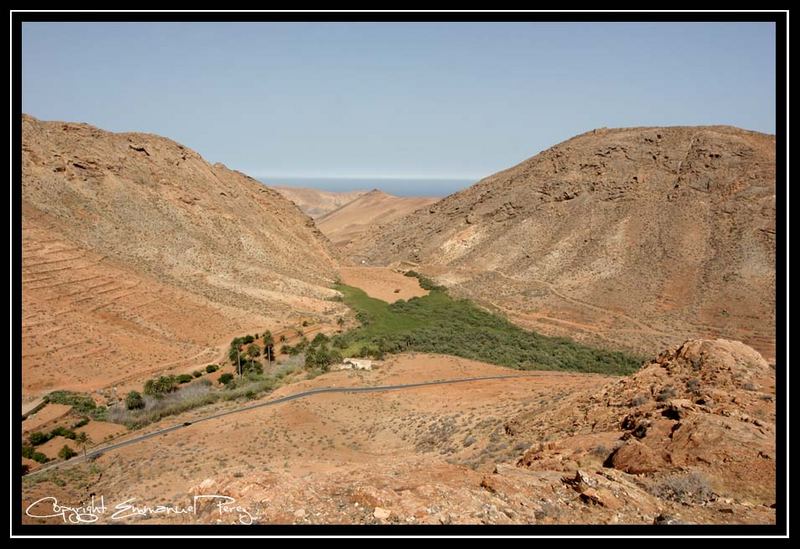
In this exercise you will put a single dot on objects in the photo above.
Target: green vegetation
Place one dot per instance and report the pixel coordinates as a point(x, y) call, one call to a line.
point(81, 403)
point(29, 452)
point(211, 368)
point(66, 452)
point(197, 373)
point(160, 386)
point(253, 350)
point(437, 323)
point(134, 401)
point(225, 378)
point(38, 438)
point(184, 378)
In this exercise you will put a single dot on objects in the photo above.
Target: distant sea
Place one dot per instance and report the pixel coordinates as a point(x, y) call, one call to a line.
point(398, 187)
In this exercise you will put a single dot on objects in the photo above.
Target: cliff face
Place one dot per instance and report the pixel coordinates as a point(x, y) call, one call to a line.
point(639, 237)
point(139, 236)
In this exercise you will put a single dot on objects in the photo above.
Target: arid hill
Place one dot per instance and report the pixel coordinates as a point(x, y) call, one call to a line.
point(138, 255)
point(359, 219)
point(315, 202)
point(637, 238)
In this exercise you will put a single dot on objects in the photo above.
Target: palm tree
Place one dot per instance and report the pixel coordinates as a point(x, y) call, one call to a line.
point(83, 439)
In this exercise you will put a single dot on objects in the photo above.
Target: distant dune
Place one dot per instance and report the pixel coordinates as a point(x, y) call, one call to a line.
point(314, 202)
point(361, 216)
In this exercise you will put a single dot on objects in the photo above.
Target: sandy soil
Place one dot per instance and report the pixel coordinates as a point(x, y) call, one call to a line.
point(48, 414)
point(382, 283)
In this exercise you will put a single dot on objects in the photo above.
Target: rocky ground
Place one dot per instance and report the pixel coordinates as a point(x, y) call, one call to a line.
point(688, 439)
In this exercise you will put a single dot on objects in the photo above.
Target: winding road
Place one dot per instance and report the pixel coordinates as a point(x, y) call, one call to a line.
point(303, 394)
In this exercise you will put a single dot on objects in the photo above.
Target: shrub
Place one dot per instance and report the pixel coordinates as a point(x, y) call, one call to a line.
point(225, 378)
point(666, 393)
point(37, 437)
point(184, 378)
point(282, 339)
point(319, 339)
point(134, 401)
point(81, 403)
point(197, 373)
point(690, 487)
point(248, 339)
point(211, 368)
point(63, 432)
point(81, 422)
point(39, 457)
point(305, 323)
point(67, 453)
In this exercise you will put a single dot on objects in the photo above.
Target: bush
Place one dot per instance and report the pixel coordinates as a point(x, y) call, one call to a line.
point(225, 378)
point(37, 437)
point(160, 386)
point(134, 401)
point(184, 378)
point(248, 339)
point(81, 403)
point(67, 453)
point(63, 432)
point(197, 373)
point(30, 453)
point(81, 422)
point(211, 368)
point(319, 339)
point(666, 393)
point(690, 487)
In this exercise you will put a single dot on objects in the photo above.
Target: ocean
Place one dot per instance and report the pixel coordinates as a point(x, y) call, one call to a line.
point(395, 186)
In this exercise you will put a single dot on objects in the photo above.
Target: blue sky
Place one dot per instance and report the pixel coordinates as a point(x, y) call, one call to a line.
point(429, 100)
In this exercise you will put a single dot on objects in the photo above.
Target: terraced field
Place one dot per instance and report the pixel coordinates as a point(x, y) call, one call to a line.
point(89, 322)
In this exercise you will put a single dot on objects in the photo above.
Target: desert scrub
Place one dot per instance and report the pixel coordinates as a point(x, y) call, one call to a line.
point(437, 323)
point(692, 487)
point(188, 397)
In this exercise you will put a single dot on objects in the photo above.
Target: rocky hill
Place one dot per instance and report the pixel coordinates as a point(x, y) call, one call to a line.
point(137, 254)
point(315, 202)
point(636, 237)
point(359, 219)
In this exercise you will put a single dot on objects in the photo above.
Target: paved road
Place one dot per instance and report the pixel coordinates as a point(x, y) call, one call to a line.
point(288, 398)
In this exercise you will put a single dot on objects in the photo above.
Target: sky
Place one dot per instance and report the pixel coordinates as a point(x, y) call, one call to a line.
point(456, 101)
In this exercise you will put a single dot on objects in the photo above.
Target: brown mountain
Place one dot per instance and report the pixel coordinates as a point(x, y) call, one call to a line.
point(636, 237)
point(315, 202)
point(138, 255)
point(360, 218)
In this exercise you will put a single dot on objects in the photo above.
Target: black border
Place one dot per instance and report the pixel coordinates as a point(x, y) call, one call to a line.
point(780, 18)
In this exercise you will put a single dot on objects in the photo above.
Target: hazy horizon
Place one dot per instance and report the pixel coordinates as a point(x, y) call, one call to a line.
point(398, 186)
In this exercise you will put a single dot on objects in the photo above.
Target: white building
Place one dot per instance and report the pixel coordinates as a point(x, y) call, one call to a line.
point(356, 364)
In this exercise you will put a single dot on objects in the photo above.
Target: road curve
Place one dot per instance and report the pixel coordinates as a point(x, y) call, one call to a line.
point(288, 398)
